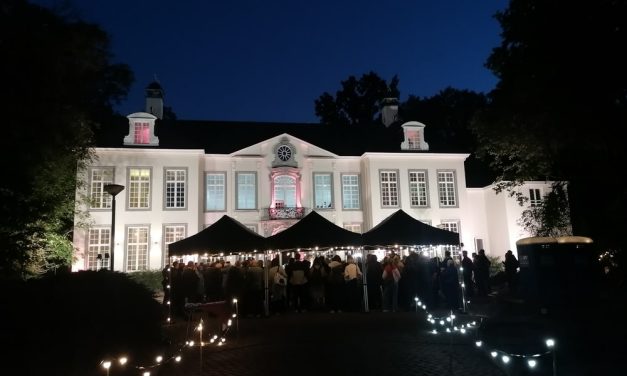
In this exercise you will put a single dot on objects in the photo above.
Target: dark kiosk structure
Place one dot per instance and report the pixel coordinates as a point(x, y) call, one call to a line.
point(557, 272)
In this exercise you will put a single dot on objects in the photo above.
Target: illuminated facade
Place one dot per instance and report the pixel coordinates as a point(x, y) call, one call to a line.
point(181, 176)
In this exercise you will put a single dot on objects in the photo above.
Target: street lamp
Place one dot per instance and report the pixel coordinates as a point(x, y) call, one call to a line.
point(113, 190)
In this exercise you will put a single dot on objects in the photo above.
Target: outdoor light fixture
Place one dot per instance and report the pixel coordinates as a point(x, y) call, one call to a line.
point(113, 190)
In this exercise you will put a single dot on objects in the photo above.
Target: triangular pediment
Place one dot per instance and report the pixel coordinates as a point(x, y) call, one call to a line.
point(268, 148)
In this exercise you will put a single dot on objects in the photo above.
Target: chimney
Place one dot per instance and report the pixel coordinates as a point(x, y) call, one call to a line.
point(154, 99)
point(389, 111)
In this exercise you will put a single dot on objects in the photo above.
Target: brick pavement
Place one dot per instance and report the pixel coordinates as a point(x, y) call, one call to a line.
point(591, 341)
point(338, 344)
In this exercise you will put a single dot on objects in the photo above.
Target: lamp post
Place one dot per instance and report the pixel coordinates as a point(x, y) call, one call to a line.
point(113, 190)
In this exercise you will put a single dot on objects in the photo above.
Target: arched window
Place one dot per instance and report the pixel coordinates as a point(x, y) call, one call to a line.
point(285, 191)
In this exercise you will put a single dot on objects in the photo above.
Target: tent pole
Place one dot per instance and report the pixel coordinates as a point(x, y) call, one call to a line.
point(266, 271)
point(364, 280)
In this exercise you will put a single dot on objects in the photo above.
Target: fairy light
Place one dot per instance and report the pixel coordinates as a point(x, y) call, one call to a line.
point(478, 343)
point(505, 359)
point(532, 363)
point(123, 360)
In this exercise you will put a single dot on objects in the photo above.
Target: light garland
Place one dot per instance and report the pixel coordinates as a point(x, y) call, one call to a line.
point(176, 356)
point(447, 323)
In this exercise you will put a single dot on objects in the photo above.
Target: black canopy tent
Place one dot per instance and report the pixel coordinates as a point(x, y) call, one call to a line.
point(402, 228)
point(313, 230)
point(225, 235)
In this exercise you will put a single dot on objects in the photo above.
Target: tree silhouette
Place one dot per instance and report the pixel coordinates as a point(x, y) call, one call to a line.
point(560, 100)
point(358, 103)
point(58, 85)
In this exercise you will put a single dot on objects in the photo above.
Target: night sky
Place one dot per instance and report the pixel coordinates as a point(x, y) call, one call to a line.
point(269, 60)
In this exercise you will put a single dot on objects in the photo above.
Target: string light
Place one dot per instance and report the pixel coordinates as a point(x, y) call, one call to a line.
point(449, 325)
point(176, 357)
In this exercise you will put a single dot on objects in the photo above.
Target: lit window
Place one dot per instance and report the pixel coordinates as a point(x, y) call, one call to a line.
point(418, 188)
point(99, 177)
point(171, 234)
point(246, 190)
point(354, 227)
point(535, 199)
point(139, 188)
point(215, 191)
point(137, 248)
point(175, 182)
point(142, 133)
point(389, 188)
point(452, 226)
point(413, 140)
point(284, 191)
point(350, 192)
point(323, 191)
point(98, 245)
point(446, 188)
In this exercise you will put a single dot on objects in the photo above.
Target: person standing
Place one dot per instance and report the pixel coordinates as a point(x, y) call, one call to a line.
point(391, 276)
point(352, 275)
point(374, 271)
point(467, 274)
point(482, 273)
point(511, 271)
point(450, 285)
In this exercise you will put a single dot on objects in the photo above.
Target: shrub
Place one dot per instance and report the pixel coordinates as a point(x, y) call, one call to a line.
point(151, 279)
point(66, 324)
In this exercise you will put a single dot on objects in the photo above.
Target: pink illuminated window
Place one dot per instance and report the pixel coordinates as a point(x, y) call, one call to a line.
point(142, 133)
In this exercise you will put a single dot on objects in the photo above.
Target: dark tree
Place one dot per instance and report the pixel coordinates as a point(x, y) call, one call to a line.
point(448, 115)
point(58, 85)
point(358, 103)
point(560, 104)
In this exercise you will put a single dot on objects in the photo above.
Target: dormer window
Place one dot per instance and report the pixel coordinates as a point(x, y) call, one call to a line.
point(141, 130)
point(142, 133)
point(414, 133)
point(413, 140)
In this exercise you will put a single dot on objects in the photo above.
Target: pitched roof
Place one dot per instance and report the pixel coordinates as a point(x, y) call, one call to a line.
point(225, 137)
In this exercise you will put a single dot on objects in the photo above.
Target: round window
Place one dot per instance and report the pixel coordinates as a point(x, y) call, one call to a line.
point(284, 153)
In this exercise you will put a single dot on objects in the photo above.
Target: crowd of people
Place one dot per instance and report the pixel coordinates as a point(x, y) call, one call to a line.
point(334, 285)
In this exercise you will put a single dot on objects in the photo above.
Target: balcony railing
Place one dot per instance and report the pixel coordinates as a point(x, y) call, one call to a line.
point(286, 213)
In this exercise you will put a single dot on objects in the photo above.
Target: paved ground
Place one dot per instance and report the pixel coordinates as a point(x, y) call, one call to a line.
point(591, 340)
point(339, 344)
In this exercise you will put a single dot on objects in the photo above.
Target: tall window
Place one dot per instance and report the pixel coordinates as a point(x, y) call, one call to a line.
point(389, 188)
point(142, 133)
point(350, 192)
point(99, 177)
point(246, 190)
point(171, 234)
point(285, 191)
point(354, 227)
point(139, 188)
point(98, 243)
point(534, 197)
point(323, 191)
point(454, 227)
point(175, 182)
point(215, 185)
point(418, 188)
point(446, 188)
point(136, 248)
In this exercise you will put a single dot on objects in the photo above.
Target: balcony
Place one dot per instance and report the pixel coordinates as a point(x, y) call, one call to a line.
point(284, 212)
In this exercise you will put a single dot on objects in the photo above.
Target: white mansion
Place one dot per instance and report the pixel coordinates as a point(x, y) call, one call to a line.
point(181, 176)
